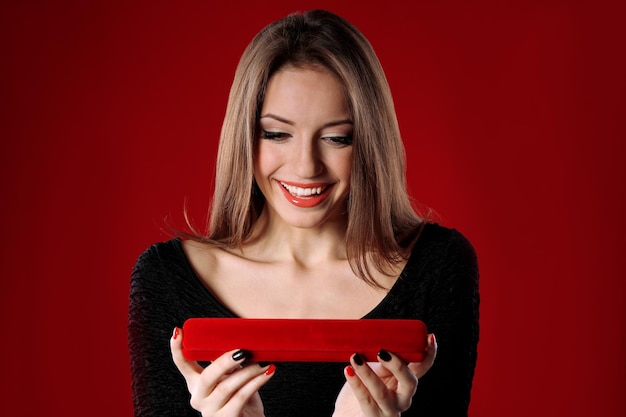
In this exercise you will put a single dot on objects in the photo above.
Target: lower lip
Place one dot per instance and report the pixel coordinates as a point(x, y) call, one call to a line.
point(307, 201)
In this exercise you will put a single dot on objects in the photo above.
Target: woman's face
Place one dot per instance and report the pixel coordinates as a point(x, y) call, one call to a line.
point(304, 152)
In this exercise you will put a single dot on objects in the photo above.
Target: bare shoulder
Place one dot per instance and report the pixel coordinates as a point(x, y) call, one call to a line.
point(198, 250)
point(219, 267)
point(233, 279)
point(209, 260)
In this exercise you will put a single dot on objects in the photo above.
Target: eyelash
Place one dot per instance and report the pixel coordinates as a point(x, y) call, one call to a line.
point(337, 140)
point(341, 140)
point(273, 135)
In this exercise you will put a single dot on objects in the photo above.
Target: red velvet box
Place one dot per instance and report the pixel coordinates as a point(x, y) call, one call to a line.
point(304, 340)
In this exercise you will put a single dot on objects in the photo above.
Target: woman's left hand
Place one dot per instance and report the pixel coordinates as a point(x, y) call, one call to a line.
point(383, 389)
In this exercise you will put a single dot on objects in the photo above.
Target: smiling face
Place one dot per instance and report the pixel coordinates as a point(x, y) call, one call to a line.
point(303, 156)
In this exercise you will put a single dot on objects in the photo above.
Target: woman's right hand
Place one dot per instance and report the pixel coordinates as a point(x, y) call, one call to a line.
point(225, 388)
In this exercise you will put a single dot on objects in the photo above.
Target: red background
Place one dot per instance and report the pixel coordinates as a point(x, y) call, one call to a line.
point(513, 118)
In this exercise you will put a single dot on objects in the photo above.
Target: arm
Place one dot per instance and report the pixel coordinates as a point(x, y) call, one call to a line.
point(158, 387)
point(442, 290)
point(164, 383)
point(452, 305)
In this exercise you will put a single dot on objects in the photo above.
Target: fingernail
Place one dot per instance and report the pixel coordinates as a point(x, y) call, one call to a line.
point(432, 340)
point(270, 370)
point(384, 355)
point(176, 332)
point(357, 359)
point(350, 371)
point(240, 355)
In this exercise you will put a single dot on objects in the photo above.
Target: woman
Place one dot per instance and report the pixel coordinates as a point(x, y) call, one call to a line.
point(310, 219)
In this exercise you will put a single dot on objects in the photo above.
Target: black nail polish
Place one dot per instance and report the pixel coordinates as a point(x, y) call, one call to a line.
point(358, 359)
point(384, 355)
point(240, 354)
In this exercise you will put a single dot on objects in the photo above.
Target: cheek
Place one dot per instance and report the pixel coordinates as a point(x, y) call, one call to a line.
point(343, 166)
point(267, 161)
point(263, 160)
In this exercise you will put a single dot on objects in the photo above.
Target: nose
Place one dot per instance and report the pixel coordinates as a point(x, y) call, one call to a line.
point(308, 162)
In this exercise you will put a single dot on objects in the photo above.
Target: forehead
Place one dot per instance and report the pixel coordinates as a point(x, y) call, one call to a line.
point(300, 92)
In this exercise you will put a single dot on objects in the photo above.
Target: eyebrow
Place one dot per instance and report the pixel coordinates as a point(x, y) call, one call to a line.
point(291, 123)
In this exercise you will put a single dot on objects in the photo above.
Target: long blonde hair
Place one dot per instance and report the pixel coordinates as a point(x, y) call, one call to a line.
point(381, 219)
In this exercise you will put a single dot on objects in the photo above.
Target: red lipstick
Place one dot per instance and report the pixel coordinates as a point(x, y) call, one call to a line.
point(307, 201)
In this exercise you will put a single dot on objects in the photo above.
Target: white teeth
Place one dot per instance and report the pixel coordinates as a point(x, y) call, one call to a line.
point(302, 192)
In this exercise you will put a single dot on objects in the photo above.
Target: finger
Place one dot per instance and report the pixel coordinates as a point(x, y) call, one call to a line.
point(189, 369)
point(217, 383)
point(406, 381)
point(241, 396)
point(420, 368)
point(225, 374)
point(226, 393)
point(360, 391)
point(380, 394)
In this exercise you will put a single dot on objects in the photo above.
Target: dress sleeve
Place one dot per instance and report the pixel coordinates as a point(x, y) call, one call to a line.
point(158, 388)
point(452, 303)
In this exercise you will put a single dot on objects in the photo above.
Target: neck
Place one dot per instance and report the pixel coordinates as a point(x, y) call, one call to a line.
point(275, 241)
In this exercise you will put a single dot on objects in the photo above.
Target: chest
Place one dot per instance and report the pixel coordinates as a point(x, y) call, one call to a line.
point(274, 290)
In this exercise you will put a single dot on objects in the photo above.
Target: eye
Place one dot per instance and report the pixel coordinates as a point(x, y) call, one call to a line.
point(276, 136)
point(340, 140)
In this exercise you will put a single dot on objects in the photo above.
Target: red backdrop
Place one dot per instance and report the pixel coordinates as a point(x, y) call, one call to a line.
point(513, 118)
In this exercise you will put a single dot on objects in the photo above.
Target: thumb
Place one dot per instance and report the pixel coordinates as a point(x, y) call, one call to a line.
point(186, 367)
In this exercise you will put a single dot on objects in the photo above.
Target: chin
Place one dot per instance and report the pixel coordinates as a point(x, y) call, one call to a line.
point(313, 220)
point(308, 223)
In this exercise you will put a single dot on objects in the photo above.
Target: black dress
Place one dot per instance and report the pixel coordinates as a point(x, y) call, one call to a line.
point(439, 285)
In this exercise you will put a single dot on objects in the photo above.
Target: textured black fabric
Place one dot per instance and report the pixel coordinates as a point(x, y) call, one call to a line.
point(439, 285)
